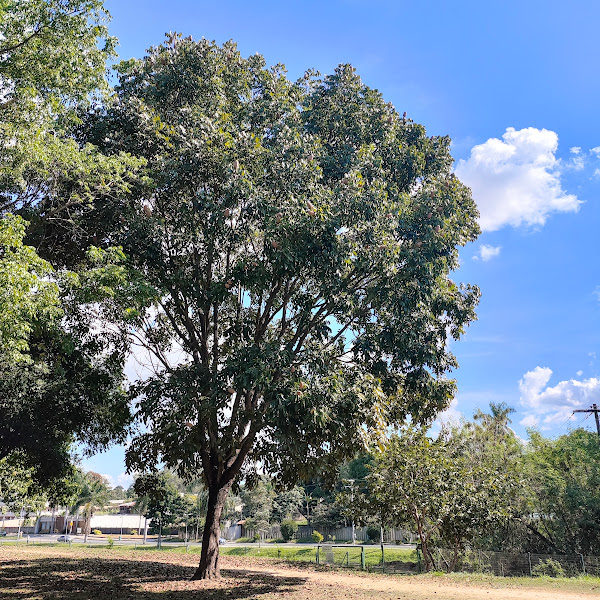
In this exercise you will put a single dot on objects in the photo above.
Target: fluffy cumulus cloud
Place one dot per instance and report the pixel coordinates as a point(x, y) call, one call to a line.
point(549, 406)
point(516, 180)
point(487, 252)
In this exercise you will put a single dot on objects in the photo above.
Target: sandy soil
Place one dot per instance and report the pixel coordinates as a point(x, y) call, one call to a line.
point(30, 573)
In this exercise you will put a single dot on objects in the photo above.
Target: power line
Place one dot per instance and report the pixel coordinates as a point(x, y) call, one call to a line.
point(594, 409)
point(568, 419)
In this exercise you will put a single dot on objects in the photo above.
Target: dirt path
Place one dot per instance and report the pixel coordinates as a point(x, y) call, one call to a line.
point(339, 585)
point(79, 574)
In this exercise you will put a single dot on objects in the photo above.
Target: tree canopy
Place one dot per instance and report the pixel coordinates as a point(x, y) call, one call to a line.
point(60, 375)
point(289, 255)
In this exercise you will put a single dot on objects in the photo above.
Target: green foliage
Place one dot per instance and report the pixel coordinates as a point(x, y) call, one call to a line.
point(257, 500)
point(54, 63)
point(288, 529)
point(435, 487)
point(549, 568)
point(561, 508)
point(317, 538)
point(27, 292)
point(163, 502)
point(59, 379)
point(50, 50)
point(286, 504)
point(294, 241)
point(374, 533)
point(110, 542)
point(93, 495)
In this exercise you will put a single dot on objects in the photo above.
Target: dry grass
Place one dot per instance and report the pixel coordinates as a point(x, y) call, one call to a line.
point(36, 573)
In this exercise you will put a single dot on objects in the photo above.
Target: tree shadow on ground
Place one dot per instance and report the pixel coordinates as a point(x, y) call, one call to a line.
point(106, 579)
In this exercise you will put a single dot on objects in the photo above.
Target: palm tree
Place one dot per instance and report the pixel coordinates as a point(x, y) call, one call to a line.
point(498, 421)
point(93, 494)
point(141, 507)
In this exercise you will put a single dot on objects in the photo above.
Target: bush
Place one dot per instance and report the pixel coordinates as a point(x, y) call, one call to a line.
point(111, 542)
point(288, 529)
point(256, 537)
point(96, 532)
point(548, 567)
point(134, 532)
point(317, 538)
point(373, 533)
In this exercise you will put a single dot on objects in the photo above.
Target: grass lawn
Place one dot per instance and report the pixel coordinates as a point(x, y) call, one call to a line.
point(308, 554)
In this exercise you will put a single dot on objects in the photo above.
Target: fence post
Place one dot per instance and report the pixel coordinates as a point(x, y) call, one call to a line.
point(583, 564)
point(529, 560)
point(362, 557)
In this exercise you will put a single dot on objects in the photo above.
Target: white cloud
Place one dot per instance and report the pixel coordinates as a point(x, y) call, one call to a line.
point(451, 415)
point(123, 479)
point(579, 373)
point(577, 162)
point(547, 406)
point(516, 180)
point(595, 151)
point(487, 252)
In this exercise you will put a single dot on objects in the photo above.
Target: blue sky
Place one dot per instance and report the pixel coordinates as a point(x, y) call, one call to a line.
point(516, 86)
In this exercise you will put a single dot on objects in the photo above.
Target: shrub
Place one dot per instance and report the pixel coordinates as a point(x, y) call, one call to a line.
point(373, 533)
point(288, 529)
point(317, 538)
point(111, 542)
point(256, 537)
point(134, 532)
point(96, 532)
point(548, 567)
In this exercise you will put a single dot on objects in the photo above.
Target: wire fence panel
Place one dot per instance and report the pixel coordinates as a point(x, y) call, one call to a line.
point(515, 565)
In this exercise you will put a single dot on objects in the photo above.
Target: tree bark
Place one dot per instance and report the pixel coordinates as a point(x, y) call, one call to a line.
point(209, 558)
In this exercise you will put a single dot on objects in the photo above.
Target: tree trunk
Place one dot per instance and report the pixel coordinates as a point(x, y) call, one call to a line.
point(209, 559)
point(88, 527)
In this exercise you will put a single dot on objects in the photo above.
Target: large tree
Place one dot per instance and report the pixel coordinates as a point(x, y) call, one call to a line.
point(60, 376)
point(290, 255)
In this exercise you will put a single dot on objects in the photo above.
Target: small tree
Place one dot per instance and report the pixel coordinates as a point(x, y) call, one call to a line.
point(164, 504)
point(288, 529)
point(289, 257)
point(430, 485)
point(93, 494)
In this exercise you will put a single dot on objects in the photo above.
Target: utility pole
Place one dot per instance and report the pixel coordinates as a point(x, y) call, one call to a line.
point(594, 410)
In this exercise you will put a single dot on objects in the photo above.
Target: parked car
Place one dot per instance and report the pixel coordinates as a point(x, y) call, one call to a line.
point(2, 533)
point(222, 541)
point(63, 538)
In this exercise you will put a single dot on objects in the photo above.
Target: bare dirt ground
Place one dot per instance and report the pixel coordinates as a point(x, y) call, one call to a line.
point(42, 573)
